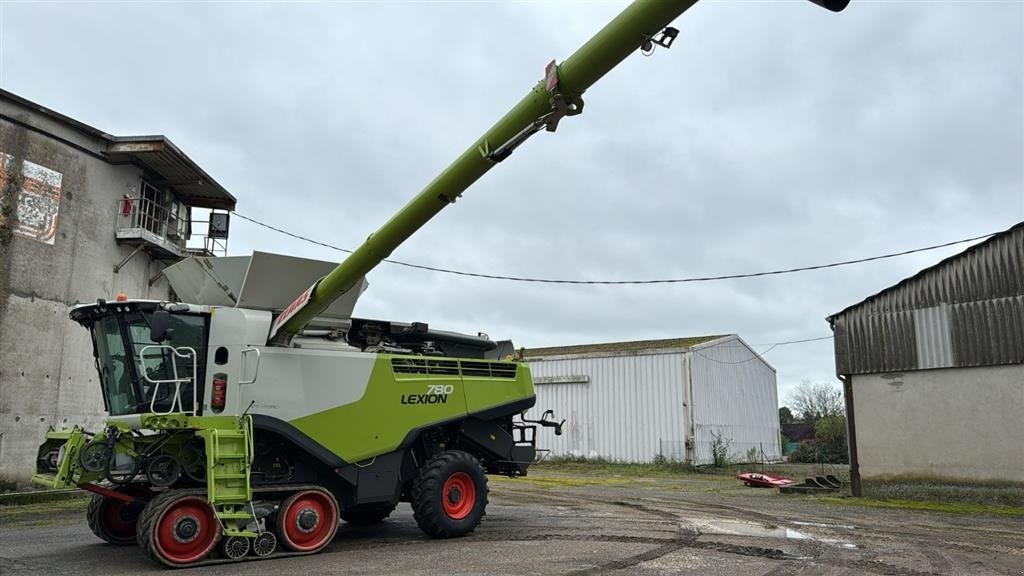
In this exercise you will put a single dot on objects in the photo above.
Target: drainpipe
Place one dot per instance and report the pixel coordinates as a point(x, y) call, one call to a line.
point(851, 434)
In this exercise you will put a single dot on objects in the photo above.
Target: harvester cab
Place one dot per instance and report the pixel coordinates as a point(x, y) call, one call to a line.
point(247, 422)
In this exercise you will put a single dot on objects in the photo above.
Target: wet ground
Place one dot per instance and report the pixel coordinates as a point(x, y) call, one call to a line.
point(582, 524)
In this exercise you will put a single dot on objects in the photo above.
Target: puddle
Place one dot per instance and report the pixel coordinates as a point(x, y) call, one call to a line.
point(824, 525)
point(741, 528)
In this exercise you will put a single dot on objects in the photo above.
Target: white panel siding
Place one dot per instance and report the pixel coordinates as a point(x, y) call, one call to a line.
point(735, 396)
point(631, 406)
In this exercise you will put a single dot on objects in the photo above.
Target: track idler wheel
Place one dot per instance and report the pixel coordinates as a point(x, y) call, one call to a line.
point(449, 496)
point(264, 544)
point(236, 547)
point(307, 520)
point(114, 520)
point(178, 528)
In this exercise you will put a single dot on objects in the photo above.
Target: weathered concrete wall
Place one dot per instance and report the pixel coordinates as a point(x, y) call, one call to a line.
point(955, 422)
point(47, 376)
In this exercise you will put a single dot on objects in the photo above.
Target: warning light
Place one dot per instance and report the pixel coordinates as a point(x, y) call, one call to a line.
point(121, 297)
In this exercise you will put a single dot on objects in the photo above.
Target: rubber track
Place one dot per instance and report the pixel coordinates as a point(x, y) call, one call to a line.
point(94, 516)
point(365, 517)
point(145, 527)
point(429, 481)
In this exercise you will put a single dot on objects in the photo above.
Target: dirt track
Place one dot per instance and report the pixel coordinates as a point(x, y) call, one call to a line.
point(588, 524)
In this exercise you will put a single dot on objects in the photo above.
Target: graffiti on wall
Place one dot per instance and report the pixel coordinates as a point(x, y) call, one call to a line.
point(38, 200)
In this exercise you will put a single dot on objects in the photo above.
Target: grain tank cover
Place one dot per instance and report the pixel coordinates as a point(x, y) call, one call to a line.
point(263, 281)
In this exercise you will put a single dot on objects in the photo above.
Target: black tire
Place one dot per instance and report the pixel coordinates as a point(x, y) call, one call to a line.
point(114, 521)
point(438, 518)
point(365, 517)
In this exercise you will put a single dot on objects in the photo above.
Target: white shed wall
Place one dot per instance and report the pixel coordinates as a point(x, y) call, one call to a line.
point(734, 396)
point(628, 408)
point(636, 407)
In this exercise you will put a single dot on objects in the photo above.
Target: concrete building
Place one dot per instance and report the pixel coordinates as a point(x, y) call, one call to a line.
point(671, 399)
point(933, 369)
point(83, 215)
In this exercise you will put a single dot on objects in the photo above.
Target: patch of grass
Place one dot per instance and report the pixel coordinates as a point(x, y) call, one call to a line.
point(947, 507)
point(34, 514)
point(564, 481)
point(603, 467)
point(1008, 494)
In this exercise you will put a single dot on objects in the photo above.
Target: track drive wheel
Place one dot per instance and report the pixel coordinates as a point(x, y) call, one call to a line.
point(178, 528)
point(307, 520)
point(114, 520)
point(366, 517)
point(449, 497)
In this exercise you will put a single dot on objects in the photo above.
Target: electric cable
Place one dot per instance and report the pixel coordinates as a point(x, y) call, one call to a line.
point(625, 282)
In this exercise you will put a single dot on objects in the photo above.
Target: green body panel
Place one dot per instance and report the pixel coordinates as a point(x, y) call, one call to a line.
point(379, 421)
point(613, 43)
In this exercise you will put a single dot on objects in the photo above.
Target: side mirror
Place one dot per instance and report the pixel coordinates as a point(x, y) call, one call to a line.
point(158, 326)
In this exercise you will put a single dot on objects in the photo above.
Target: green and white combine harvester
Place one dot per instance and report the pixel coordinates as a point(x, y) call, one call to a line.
point(242, 426)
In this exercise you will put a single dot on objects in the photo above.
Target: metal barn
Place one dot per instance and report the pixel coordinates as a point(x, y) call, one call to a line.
point(933, 369)
point(675, 399)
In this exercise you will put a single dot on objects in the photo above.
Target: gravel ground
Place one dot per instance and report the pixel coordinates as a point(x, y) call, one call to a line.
point(581, 524)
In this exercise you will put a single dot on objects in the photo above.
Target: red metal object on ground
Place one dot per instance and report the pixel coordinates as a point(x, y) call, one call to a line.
point(756, 480)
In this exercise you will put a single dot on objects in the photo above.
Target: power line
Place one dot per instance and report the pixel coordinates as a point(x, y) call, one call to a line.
point(758, 355)
point(624, 282)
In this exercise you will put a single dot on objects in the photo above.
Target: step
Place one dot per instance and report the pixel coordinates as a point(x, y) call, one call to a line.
point(234, 515)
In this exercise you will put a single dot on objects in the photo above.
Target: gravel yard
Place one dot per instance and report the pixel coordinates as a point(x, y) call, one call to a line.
point(577, 522)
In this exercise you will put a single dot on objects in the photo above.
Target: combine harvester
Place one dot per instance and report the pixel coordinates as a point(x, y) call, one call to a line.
point(243, 427)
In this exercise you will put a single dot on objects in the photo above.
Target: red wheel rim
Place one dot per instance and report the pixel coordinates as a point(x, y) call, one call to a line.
point(119, 519)
point(186, 531)
point(310, 520)
point(458, 495)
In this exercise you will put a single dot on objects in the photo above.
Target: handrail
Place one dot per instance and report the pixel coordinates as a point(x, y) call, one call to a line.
point(256, 372)
point(175, 354)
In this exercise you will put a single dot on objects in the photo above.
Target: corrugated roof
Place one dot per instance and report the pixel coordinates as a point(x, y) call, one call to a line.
point(156, 154)
point(967, 310)
point(1007, 280)
point(621, 347)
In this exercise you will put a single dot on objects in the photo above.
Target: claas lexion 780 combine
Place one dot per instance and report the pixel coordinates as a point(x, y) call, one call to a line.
point(241, 426)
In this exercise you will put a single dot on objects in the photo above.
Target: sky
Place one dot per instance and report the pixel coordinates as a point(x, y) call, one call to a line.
point(772, 135)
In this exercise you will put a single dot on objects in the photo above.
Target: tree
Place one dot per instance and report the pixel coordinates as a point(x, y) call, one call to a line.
point(785, 415)
point(813, 401)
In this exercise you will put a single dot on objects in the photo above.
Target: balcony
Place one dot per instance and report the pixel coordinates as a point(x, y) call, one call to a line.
point(168, 233)
point(143, 222)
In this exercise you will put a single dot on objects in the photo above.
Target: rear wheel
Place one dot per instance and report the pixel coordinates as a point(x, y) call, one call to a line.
point(178, 528)
point(365, 517)
point(307, 520)
point(114, 520)
point(449, 497)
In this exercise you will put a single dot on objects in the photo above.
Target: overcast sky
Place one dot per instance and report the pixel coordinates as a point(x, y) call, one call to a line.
point(772, 135)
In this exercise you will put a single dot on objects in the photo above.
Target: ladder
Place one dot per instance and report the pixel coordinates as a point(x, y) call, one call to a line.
point(229, 453)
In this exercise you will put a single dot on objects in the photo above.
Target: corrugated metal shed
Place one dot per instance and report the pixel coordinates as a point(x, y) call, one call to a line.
point(635, 401)
point(967, 310)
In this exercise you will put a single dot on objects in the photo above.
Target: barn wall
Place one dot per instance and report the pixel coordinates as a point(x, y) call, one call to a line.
point(734, 398)
point(629, 408)
point(962, 423)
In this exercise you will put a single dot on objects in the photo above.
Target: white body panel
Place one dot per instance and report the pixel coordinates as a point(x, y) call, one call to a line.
point(289, 382)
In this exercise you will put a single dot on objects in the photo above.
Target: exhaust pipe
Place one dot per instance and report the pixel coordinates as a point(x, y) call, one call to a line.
point(833, 5)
